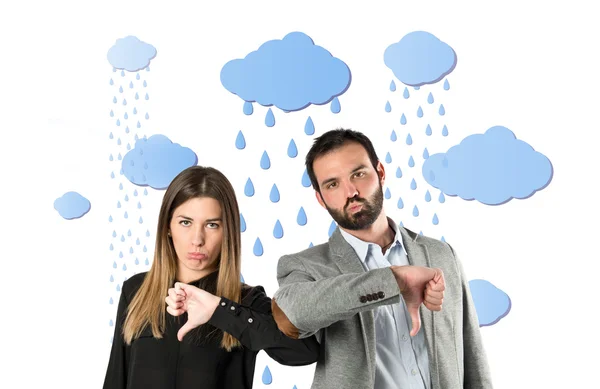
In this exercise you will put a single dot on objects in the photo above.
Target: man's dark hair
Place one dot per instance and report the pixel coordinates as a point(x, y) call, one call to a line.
point(333, 140)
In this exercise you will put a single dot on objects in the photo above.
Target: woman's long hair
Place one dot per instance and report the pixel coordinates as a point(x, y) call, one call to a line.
point(147, 308)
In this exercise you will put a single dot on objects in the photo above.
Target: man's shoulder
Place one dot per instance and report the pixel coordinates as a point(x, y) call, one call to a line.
point(319, 252)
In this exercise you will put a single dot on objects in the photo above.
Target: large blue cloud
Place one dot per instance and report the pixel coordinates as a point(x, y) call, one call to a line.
point(420, 58)
point(72, 205)
point(491, 303)
point(156, 161)
point(492, 168)
point(131, 54)
point(291, 74)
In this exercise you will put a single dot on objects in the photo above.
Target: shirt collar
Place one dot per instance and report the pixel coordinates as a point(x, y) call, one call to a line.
point(362, 248)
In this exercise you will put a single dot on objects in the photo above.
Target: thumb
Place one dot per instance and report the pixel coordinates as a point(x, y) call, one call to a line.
point(187, 327)
point(416, 319)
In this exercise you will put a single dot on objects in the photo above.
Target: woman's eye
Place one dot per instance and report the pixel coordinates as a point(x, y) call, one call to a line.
point(185, 223)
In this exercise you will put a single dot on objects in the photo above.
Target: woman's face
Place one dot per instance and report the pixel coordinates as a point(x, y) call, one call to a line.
point(197, 232)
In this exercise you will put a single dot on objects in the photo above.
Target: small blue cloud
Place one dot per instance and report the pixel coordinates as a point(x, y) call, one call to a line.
point(420, 58)
point(492, 168)
point(491, 303)
point(131, 54)
point(72, 205)
point(156, 161)
point(291, 74)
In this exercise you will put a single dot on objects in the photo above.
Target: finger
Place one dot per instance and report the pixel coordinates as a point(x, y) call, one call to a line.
point(433, 300)
point(187, 327)
point(172, 303)
point(175, 312)
point(433, 294)
point(173, 294)
point(432, 307)
point(416, 320)
point(438, 286)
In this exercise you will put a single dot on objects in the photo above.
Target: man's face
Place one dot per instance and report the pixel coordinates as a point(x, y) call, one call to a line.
point(351, 189)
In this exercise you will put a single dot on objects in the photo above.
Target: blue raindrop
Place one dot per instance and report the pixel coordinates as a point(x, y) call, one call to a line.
point(305, 179)
point(145, 84)
point(118, 204)
point(137, 97)
point(114, 234)
point(112, 82)
point(120, 89)
point(147, 68)
point(115, 100)
point(139, 205)
point(137, 76)
point(145, 192)
point(119, 141)
point(148, 233)
point(446, 84)
point(135, 192)
point(124, 102)
point(425, 153)
point(406, 93)
point(415, 211)
point(131, 84)
point(114, 264)
point(265, 162)
point(147, 97)
point(122, 238)
point(435, 220)
point(134, 110)
point(428, 131)
point(110, 323)
point(110, 157)
point(138, 125)
point(393, 136)
point(400, 203)
point(110, 219)
point(388, 157)
point(258, 248)
point(242, 223)
point(248, 108)
point(111, 248)
point(129, 148)
point(409, 140)
point(292, 150)
point(430, 98)
point(309, 127)
point(420, 112)
point(411, 162)
point(417, 87)
point(145, 249)
point(110, 136)
point(393, 86)
point(147, 116)
point(112, 174)
point(141, 220)
point(121, 186)
point(119, 157)
point(122, 73)
point(388, 107)
point(388, 194)
point(332, 227)
point(274, 195)
point(127, 130)
point(427, 196)
point(129, 233)
point(310, 245)
point(335, 105)
point(442, 111)
point(126, 116)
point(130, 250)
point(445, 131)
point(399, 172)
point(266, 376)
point(403, 119)
point(269, 118)
point(147, 262)
point(443, 239)
point(278, 230)
point(112, 114)
point(120, 254)
point(301, 218)
point(137, 241)
point(125, 215)
point(137, 261)
point(413, 184)
point(249, 188)
point(124, 267)
point(118, 122)
point(112, 279)
point(110, 301)
point(442, 198)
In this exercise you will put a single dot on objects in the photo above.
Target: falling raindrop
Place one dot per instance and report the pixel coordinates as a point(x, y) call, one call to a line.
point(249, 188)
point(258, 248)
point(301, 218)
point(415, 211)
point(400, 203)
point(119, 157)
point(335, 105)
point(135, 192)
point(445, 131)
point(110, 136)
point(124, 267)
point(126, 116)
point(265, 162)
point(147, 262)
point(137, 97)
point(127, 130)
point(147, 97)
point(114, 234)
point(119, 141)
point(145, 249)
point(124, 102)
point(134, 110)
point(112, 82)
point(435, 220)
point(131, 84)
point(112, 279)
point(427, 196)
point(115, 100)
point(138, 124)
point(147, 116)
point(388, 194)
point(399, 172)
point(388, 107)
point(248, 108)
point(305, 179)
point(406, 94)
point(110, 301)
point(110, 157)
point(122, 238)
point(309, 127)
point(332, 227)
point(120, 254)
point(137, 76)
point(278, 230)
point(118, 204)
point(413, 184)
point(110, 323)
point(409, 140)
point(147, 68)
point(393, 86)
point(388, 158)
point(430, 98)
point(121, 186)
point(125, 215)
point(411, 162)
point(417, 87)
point(137, 261)
point(129, 233)
point(145, 84)
point(148, 233)
point(403, 119)
point(112, 174)
point(111, 248)
point(110, 219)
point(139, 205)
point(137, 241)
point(112, 114)
point(274, 196)
point(266, 376)
point(122, 73)
point(310, 245)
point(446, 84)
point(442, 198)
point(120, 89)
point(269, 118)
point(393, 136)
point(420, 112)
point(292, 150)
point(242, 223)
point(129, 148)
point(130, 250)
point(443, 239)
point(145, 192)
point(114, 264)
point(442, 111)
point(118, 122)
point(141, 220)
point(428, 131)
point(425, 153)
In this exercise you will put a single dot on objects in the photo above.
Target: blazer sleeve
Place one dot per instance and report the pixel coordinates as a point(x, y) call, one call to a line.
point(310, 304)
point(116, 373)
point(476, 369)
point(252, 323)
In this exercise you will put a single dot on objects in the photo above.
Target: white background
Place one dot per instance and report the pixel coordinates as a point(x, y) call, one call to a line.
point(529, 66)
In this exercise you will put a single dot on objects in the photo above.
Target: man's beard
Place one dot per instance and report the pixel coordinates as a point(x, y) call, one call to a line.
point(362, 219)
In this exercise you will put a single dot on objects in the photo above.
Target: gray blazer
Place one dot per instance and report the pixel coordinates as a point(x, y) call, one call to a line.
point(320, 291)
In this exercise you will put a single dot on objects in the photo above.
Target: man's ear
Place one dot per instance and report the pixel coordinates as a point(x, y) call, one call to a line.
point(381, 172)
point(320, 199)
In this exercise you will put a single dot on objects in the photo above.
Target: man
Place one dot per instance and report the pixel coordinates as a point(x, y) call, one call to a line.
point(361, 292)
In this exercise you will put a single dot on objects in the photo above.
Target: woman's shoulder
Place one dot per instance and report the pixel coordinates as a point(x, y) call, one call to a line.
point(133, 283)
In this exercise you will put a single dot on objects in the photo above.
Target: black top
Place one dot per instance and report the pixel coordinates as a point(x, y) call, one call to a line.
point(198, 361)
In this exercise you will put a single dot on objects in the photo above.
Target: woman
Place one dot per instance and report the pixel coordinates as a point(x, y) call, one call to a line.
point(197, 243)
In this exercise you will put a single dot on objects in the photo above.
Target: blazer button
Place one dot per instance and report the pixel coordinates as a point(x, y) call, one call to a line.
point(363, 299)
point(369, 297)
point(375, 296)
point(381, 294)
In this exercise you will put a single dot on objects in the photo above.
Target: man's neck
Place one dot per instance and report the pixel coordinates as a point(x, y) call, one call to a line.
point(379, 232)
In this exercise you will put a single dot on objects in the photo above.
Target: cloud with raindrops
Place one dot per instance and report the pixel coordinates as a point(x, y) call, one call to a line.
point(72, 205)
point(491, 303)
point(420, 58)
point(131, 54)
point(156, 161)
point(291, 74)
point(492, 168)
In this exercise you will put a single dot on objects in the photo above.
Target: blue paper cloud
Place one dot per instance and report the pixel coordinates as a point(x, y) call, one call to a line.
point(291, 74)
point(492, 168)
point(491, 303)
point(131, 54)
point(156, 161)
point(72, 205)
point(420, 58)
